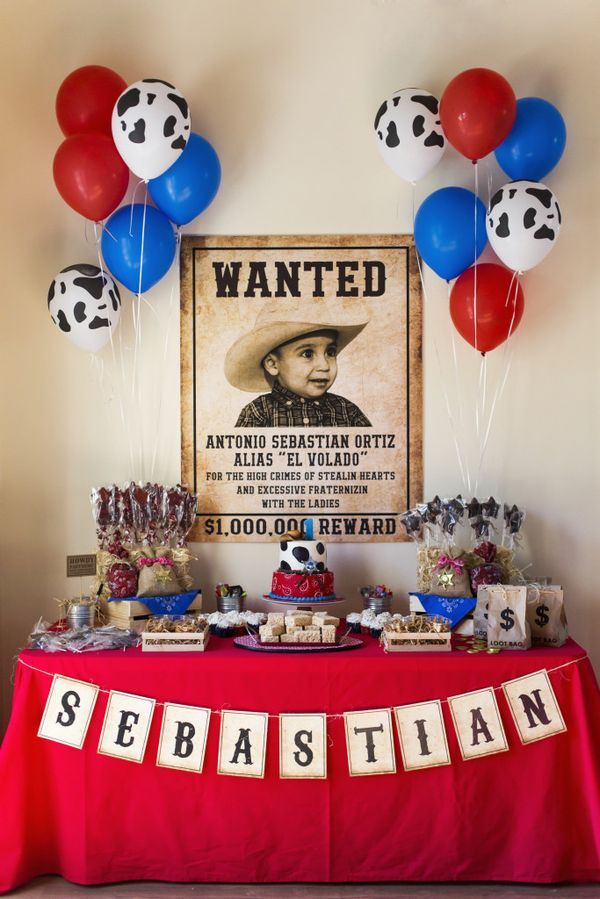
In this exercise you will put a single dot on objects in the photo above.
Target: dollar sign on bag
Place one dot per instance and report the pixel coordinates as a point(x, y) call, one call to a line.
point(508, 620)
point(541, 618)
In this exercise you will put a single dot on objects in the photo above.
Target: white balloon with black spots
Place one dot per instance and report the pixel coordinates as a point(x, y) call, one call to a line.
point(523, 223)
point(409, 134)
point(151, 126)
point(84, 304)
point(294, 554)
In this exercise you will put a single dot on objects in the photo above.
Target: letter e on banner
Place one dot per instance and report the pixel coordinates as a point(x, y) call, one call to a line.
point(303, 746)
point(370, 742)
point(478, 724)
point(126, 726)
point(243, 743)
point(183, 737)
point(68, 711)
point(422, 735)
point(534, 706)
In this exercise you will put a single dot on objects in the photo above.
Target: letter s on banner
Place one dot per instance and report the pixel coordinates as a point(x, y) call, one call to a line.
point(68, 711)
point(534, 706)
point(422, 735)
point(126, 726)
point(243, 743)
point(303, 746)
point(183, 737)
point(370, 742)
point(478, 724)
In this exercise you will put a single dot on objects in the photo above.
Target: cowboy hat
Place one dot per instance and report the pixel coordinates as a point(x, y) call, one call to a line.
point(278, 323)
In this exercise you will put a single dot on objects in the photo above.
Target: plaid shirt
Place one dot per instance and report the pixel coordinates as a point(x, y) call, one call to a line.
point(283, 409)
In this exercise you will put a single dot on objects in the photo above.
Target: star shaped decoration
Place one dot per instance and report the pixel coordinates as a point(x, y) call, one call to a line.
point(446, 579)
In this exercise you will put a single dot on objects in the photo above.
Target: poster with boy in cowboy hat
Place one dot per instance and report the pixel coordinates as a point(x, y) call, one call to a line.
point(301, 385)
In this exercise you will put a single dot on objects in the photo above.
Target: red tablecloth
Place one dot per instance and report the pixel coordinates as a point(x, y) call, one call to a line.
point(530, 814)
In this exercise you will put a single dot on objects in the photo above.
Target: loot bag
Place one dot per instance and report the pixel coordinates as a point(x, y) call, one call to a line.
point(507, 618)
point(450, 577)
point(157, 577)
point(546, 615)
point(480, 615)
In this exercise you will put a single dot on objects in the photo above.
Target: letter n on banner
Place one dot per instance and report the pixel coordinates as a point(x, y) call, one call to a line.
point(422, 735)
point(126, 726)
point(243, 743)
point(478, 724)
point(534, 706)
point(68, 711)
point(183, 737)
point(370, 742)
point(303, 745)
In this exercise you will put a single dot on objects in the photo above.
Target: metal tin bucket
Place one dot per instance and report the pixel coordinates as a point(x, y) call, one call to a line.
point(81, 614)
point(378, 604)
point(230, 603)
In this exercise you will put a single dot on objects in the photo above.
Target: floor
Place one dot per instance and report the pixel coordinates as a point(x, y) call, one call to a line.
point(57, 888)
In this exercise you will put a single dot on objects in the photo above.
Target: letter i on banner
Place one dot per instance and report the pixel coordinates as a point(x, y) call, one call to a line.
point(183, 737)
point(126, 726)
point(478, 724)
point(243, 743)
point(303, 746)
point(534, 706)
point(370, 742)
point(423, 742)
point(68, 711)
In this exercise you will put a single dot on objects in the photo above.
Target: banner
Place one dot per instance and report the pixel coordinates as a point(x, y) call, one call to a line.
point(286, 344)
point(302, 735)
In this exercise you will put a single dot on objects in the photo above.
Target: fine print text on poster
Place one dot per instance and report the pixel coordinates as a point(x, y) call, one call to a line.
point(301, 385)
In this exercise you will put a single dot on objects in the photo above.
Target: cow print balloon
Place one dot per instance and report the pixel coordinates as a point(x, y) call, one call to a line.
point(151, 126)
point(409, 134)
point(523, 222)
point(84, 303)
point(294, 554)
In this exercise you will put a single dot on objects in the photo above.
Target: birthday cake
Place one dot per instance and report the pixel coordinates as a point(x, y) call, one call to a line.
point(302, 575)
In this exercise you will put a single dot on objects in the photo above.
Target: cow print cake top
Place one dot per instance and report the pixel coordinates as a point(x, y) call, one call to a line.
point(295, 554)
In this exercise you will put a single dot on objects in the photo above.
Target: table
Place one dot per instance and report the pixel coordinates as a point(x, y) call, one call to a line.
point(531, 814)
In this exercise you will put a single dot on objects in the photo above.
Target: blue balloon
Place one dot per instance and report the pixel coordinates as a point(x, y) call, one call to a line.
point(190, 184)
point(122, 246)
point(536, 142)
point(445, 231)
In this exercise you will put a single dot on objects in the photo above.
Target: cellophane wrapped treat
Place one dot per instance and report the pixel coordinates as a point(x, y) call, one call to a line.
point(488, 571)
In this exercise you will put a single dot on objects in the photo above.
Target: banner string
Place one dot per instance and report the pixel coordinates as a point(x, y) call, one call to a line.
point(336, 716)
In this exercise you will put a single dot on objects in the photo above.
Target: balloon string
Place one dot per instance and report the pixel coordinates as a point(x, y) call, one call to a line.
point(476, 167)
point(439, 362)
point(459, 394)
point(135, 190)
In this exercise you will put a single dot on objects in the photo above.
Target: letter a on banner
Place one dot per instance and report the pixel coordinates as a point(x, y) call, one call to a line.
point(243, 743)
point(126, 726)
point(303, 745)
point(534, 706)
point(183, 737)
point(370, 742)
point(422, 734)
point(68, 711)
point(478, 724)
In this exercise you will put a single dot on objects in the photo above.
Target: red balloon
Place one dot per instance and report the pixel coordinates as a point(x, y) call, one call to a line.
point(499, 304)
point(90, 175)
point(86, 98)
point(477, 111)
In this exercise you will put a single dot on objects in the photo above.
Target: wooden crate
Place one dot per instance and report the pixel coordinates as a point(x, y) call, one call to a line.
point(183, 642)
point(414, 642)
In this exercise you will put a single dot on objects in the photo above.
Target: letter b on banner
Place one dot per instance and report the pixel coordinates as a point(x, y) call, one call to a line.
point(68, 711)
point(183, 737)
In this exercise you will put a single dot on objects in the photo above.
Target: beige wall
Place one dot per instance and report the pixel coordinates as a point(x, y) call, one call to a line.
point(287, 92)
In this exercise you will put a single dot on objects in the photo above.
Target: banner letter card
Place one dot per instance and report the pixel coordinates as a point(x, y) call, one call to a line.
point(477, 723)
point(68, 711)
point(183, 737)
point(303, 746)
point(126, 726)
point(243, 743)
point(370, 742)
point(422, 735)
point(534, 707)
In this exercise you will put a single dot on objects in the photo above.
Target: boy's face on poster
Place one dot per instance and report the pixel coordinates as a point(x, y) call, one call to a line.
point(307, 366)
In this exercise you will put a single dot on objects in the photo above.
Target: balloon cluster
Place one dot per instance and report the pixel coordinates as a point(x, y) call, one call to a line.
point(435, 521)
point(478, 113)
point(111, 128)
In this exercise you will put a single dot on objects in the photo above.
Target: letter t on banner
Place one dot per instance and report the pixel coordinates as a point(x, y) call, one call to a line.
point(126, 726)
point(422, 734)
point(478, 724)
point(370, 742)
point(68, 711)
point(534, 707)
point(243, 743)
